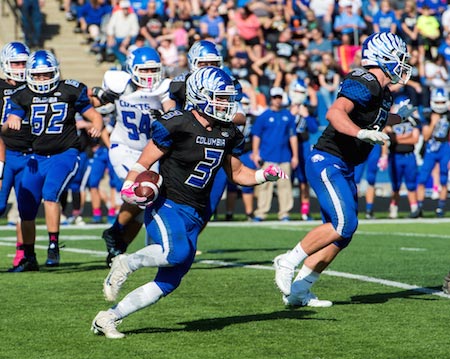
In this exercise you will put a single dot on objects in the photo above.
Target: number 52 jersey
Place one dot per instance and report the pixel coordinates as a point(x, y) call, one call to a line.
point(51, 115)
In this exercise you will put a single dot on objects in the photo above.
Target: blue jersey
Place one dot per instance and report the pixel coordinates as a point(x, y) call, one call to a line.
point(371, 109)
point(275, 128)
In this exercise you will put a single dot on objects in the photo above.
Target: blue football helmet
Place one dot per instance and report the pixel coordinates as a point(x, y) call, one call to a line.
point(14, 52)
point(42, 62)
point(298, 91)
point(144, 65)
point(439, 100)
point(204, 52)
point(211, 91)
point(388, 52)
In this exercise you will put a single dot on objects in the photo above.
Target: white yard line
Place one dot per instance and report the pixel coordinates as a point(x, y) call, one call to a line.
point(10, 242)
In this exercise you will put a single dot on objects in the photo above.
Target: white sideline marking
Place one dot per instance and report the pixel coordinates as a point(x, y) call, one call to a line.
point(361, 278)
point(413, 249)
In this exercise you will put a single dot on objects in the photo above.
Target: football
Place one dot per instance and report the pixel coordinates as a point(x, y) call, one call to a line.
point(149, 184)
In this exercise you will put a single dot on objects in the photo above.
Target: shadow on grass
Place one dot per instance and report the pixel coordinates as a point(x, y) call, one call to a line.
point(384, 297)
point(209, 324)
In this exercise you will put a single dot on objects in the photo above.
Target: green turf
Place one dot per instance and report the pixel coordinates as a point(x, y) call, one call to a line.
point(235, 310)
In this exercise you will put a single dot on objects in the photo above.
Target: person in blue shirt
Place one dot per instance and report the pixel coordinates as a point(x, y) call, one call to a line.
point(275, 142)
point(385, 20)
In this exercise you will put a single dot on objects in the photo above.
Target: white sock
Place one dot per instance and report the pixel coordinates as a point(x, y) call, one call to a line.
point(149, 256)
point(139, 298)
point(304, 280)
point(296, 256)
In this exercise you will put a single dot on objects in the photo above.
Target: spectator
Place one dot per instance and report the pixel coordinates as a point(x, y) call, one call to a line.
point(429, 32)
point(444, 50)
point(408, 22)
point(318, 45)
point(323, 12)
point(122, 29)
point(250, 29)
point(152, 25)
point(267, 73)
point(329, 78)
point(385, 20)
point(169, 55)
point(369, 9)
point(31, 21)
point(348, 23)
point(212, 25)
point(91, 15)
point(274, 142)
point(445, 21)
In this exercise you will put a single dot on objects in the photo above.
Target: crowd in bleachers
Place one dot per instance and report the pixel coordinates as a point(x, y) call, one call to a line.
point(274, 43)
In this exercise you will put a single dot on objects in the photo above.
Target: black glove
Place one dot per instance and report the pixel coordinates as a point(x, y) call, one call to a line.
point(105, 96)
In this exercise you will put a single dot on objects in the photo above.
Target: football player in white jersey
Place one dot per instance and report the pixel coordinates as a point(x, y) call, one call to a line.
point(138, 96)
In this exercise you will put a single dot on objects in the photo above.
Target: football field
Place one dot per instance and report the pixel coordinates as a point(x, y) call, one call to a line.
point(386, 289)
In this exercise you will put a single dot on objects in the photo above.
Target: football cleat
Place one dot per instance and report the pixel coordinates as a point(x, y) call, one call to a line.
point(52, 255)
point(369, 215)
point(308, 299)
point(393, 211)
point(284, 272)
point(25, 265)
point(118, 274)
point(105, 323)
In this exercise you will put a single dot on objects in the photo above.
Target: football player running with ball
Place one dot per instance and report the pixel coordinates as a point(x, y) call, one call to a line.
point(191, 146)
point(356, 118)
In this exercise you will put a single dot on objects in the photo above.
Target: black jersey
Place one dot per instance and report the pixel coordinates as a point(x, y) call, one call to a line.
point(14, 140)
point(52, 115)
point(371, 109)
point(195, 155)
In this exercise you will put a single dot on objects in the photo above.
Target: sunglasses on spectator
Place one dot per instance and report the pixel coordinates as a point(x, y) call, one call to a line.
point(277, 96)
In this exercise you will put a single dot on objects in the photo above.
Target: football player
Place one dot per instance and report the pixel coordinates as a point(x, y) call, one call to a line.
point(402, 161)
point(356, 120)
point(138, 96)
point(191, 146)
point(437, 150)
point(48, 105)
point(205, 53)
point(17, 145)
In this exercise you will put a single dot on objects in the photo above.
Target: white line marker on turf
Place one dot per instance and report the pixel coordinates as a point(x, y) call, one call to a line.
point(361, 278)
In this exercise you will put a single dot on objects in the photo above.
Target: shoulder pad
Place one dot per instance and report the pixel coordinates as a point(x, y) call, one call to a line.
point(116, 81)
point(171, 114)
point(73, 83)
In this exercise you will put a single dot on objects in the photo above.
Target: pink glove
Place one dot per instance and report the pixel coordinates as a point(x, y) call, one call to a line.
point(271, 173)
point(382, 163)
point(128, 195)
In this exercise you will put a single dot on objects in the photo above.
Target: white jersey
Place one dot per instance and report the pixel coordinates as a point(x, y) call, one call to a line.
point(134, 110)
point(133, 118)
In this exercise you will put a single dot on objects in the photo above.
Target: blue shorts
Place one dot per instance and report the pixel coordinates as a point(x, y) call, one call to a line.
point(176, 228)
point(333, 181)
point(15, 163)
point(45, 177)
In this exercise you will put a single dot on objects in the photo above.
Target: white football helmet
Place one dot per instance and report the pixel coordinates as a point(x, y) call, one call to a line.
point(439, 100)
point(388, 52)
point(144, 66)
point(14, 52)
point(211, 91)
